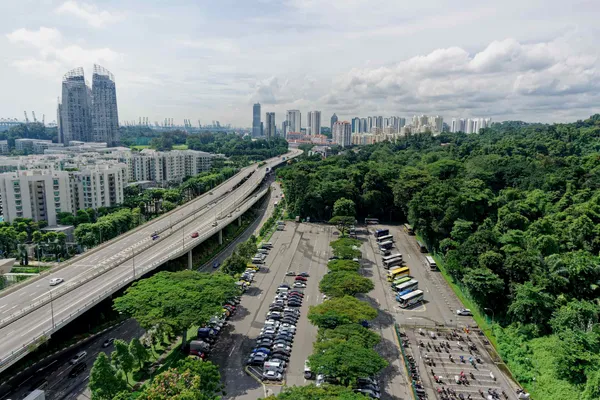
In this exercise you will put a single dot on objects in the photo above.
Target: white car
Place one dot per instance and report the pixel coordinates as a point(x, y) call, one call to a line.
point(288, 326)
point(465, 312)
point(299, 285)
point(56, 281)
point(280, 346)
point(272, 376)
point(320, 380)
point(268, 331)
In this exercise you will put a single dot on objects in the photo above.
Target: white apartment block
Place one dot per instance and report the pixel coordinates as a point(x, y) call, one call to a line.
point(41, 194)
point(342, 133)
point(4, 147)
point(168, 166)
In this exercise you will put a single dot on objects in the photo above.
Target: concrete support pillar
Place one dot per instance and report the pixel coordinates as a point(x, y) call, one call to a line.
point(221, 236)
point(190, 263)
point(240, 220)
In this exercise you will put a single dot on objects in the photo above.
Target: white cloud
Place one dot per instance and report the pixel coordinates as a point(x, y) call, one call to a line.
point(504, 73)
point(90, 13)
point(41, 38)
point(214, 44)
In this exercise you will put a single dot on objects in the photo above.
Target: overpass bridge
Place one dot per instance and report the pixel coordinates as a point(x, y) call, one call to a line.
point(30, 313)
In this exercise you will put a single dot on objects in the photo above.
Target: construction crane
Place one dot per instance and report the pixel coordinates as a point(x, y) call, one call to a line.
point(34, 119)
point(26, 119)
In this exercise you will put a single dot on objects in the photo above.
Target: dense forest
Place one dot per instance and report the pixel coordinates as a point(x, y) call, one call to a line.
point(513, 212)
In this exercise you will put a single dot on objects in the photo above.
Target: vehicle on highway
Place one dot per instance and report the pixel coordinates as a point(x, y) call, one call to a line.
point(216, 264)
point(195, 235)
point(290, 273)
point(464, 312)
point(299, 285)
point(108, 342)
point(56, 281)
point(77, 369)
point(78, 357)
point(272, 376)
point(154, 235)
point(410, 299)
point(300, 278)
point(304, 274)
point(214, 223)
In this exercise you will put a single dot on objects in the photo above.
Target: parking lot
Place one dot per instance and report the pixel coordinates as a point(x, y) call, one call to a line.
point(436, 312)
point(298, 248)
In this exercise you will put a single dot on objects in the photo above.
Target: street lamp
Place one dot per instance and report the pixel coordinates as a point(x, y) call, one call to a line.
point(51, 309)
point(133, 259)
point(493, 314)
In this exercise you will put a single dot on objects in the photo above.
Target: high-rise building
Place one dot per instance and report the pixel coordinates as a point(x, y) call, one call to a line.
point(294, 120)
point(75, 119)
point(313, 122)
point(270, 131)
point(334, 119)
point(363, 125)
point(356, 125)
point(105, 116)
point(342, 133)
point(256, 131)
point(284, 128)
point(470, 126)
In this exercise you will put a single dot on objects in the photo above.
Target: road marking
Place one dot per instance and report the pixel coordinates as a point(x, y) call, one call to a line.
point(231, 352)
point(3, 306)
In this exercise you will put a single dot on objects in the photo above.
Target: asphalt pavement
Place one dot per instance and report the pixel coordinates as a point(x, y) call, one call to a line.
point(202, 214)
point(60, 386)
point(298, 248)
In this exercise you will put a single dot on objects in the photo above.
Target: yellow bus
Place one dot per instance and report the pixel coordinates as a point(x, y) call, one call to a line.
point(396, 273)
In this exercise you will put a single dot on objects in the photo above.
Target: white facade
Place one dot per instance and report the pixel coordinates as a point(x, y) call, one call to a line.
point(167, 166)
point(342, 133)
point(4, 147)
point(294, 120)
point(314, 123)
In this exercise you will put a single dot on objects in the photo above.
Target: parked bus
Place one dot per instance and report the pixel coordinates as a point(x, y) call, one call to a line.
point(400, 281)
point(385, 238)
point(406, 288)
point(431, 263)
point(408, 229)
point(386, 245)
point(411, 298)
point(396, 273)
point(421, 246)
point(392, 263)
point(371, 221)
point(391, 257)
point(382, 232)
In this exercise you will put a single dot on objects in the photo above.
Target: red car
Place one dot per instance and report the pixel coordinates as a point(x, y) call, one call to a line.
point(300, 278)
point(195, 235)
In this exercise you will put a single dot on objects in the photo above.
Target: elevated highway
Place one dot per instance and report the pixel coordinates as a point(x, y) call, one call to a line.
point(31, 313)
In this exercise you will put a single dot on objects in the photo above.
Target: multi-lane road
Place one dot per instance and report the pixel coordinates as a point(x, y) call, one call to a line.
point(95, 276)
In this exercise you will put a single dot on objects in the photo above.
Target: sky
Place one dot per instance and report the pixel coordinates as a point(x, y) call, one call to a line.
point(533, 60)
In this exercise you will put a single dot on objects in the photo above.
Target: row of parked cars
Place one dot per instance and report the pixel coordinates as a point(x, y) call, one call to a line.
point(274, 344)
point(209, 333)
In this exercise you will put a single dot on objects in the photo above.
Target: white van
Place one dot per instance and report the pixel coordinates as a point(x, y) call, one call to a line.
point(282, 290)
point(274, 366)
point(257, 260)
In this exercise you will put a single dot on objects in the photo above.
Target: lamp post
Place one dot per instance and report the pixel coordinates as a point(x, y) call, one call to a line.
point(51, 309)
point(133, 259)
point(493, 314)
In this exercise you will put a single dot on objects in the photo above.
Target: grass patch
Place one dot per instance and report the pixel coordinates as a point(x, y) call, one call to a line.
point(180, 147)
point(140, 147)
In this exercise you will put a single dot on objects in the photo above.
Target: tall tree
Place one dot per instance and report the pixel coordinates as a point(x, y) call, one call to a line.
point(138, 351)
point(341, 283)
point(105, 382)
point(340, 311)
point(121, 358)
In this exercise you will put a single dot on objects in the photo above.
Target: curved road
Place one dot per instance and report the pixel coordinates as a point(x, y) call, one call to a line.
point(135, 253)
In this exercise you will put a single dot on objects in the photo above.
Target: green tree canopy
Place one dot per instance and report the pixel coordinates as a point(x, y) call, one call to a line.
point(354, 333)
point(176, 300)
point(312, 392)
point(344, 207)
point(347, 361)
point(341, 283)
point(340, 311)
point(105, 382)
point(343, 265)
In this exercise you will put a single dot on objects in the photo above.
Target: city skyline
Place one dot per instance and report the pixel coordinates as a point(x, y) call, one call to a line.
point(189, 66)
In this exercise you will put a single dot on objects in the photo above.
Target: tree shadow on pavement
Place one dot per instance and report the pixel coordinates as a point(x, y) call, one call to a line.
point(388, 350)
point(241, 312)
point(253, 291)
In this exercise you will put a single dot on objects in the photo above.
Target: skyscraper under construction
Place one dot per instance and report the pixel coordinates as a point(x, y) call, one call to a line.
point(88, 114)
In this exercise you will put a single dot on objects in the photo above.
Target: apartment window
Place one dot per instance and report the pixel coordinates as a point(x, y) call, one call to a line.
point(58, 210)
point(16, 183)
point(17, 196)
point(57, 199)
point(18, 202)
point(56, 193)
point(55, 181)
